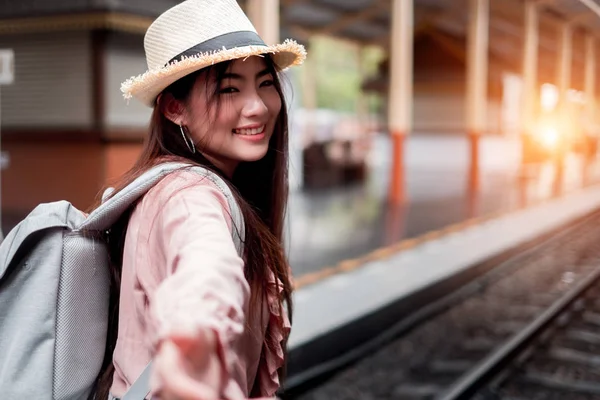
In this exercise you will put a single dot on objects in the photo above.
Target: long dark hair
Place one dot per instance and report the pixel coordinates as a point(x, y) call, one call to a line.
point(260, 188)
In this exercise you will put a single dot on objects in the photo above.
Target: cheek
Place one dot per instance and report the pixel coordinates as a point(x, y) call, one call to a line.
point(228, 113)
point(210, 118)
point(273, 103)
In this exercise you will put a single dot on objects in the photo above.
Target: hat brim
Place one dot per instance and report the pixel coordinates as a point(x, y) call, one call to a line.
point(147, 86)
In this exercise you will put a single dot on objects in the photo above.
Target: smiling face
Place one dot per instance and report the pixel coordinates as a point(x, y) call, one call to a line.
point(239, 124)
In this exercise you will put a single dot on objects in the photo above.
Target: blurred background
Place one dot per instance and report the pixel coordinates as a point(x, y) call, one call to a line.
point(443, 171)
point(408, 116)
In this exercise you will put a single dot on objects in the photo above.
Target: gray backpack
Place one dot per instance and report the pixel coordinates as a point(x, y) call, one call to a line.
point(54, 294)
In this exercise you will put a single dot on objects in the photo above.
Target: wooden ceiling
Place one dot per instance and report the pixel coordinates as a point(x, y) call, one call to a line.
point(360, 21)
point(368, 21)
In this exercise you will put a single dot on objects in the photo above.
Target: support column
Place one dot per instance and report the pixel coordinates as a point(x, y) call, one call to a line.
point(400, 92)
point(264, 14)
point(590, 83)
point(477, 80)
point(563, 78)
point(312, 168)
point(590, 105)
point(563, 72)
point(563, 82)
point(309, 97)
point(530, 66)
point(530, 88)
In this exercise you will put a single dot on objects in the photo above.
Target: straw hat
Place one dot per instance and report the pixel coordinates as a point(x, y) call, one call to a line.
point(195, 34)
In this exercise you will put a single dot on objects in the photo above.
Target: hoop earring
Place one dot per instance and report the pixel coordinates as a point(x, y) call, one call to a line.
point(188, 142)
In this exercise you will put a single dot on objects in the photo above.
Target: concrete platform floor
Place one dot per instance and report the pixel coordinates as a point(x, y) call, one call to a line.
point(328, 226)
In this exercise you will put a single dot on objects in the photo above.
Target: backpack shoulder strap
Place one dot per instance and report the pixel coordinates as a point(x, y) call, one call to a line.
point(141, 387)
point(103, 217)
point(237, 217)
point(109, 211)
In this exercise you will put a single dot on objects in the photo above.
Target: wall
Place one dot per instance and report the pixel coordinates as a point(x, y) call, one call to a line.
point(53, 83)
point(124, 58)
point(118, 159)
point(44, 172)
point(65, 170)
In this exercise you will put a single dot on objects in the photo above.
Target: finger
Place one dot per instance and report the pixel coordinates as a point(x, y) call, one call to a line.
point(200, 354)
point(186, 341)
point(200, 339)
point(175, 377)
point(197, 346)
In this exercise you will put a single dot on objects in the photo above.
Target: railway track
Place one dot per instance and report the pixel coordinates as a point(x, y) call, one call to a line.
point(556, 357)
point(552, 356)
point(484, 340)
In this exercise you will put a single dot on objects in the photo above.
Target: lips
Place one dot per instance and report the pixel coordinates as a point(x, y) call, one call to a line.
point(250, 131)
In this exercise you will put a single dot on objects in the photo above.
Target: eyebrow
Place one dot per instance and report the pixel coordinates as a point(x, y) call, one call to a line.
point(231, 75)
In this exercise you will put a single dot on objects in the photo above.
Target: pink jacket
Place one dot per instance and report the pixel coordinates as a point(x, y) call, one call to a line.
point(181, 269)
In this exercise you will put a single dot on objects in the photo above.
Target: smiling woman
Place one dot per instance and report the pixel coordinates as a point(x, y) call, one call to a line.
point(231, 110)
point(212, 321)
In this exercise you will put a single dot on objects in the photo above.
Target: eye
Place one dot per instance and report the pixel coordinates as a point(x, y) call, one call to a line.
point(267, 83)
point(227, 90)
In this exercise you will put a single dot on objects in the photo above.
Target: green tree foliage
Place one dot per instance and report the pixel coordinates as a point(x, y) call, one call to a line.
point(338, 74)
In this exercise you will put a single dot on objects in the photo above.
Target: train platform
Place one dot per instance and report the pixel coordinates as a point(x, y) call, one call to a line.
point(340, 307)
point(328, 227)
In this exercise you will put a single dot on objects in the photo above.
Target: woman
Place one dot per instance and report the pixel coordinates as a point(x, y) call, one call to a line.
point(213, 323)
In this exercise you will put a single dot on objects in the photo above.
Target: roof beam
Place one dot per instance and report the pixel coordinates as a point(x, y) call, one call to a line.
point(513, 10)
point(576, 20)
point(581, 18)
point(288, 3)
point(352, 18)
point(501, 25)
point(592, 5)
point(546, 3)
point(76, 22)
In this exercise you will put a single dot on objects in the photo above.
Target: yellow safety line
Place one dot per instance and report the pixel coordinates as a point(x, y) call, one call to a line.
point(388, 251)
point(406, 244)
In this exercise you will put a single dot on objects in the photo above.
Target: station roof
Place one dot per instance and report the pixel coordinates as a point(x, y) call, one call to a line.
point(364, 21)
point(368, 21)
point(37, 8)
point(360, 21)
point(447, 21)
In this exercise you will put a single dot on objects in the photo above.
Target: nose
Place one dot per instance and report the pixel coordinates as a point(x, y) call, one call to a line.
point(254, 106)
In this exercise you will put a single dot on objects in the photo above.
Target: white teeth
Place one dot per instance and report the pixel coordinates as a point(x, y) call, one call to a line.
point(254, 131)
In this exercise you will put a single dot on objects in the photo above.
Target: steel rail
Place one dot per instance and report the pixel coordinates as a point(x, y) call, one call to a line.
point(480, 375)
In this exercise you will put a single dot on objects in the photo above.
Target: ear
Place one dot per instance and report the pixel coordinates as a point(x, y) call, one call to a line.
point(173, 109)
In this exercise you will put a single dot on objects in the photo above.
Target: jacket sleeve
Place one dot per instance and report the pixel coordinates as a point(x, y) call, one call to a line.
point(204, 285)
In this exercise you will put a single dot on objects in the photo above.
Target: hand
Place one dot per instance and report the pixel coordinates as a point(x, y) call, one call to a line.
point(187, 367)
